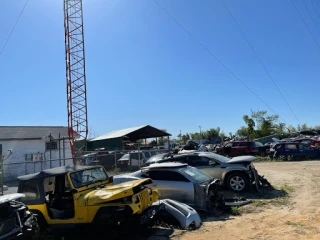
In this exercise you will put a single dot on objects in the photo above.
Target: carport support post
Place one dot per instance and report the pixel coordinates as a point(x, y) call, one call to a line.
point(168, 143)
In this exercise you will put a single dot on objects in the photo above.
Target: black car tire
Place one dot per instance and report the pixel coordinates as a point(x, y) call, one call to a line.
point(243, 183)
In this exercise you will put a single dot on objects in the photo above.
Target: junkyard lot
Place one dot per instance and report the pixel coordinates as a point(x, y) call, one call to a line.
point(293, 217)
point(271, 217)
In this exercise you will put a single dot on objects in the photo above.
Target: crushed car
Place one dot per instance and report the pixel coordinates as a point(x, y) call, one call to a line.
point(16, 221)
point(183, 183)
point(71, 196)
point(235, 173)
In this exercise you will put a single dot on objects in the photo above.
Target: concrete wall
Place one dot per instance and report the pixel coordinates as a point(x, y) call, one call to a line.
point(14, 157)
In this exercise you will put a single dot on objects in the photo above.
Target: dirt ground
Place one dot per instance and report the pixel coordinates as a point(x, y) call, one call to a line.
point(291, 212)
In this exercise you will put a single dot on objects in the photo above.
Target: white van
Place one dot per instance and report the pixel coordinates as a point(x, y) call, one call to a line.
point(135, 158)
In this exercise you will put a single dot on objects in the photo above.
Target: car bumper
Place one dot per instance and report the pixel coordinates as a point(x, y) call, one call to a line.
point(149, 213)
point(186, 215)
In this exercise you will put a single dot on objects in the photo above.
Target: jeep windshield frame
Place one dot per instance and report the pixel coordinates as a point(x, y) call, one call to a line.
point(88, 176)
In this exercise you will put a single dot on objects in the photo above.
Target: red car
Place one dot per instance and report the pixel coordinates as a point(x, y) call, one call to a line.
point(238, 148)
point(310, 141)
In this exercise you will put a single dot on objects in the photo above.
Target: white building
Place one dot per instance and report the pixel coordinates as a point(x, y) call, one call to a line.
point(29, 149)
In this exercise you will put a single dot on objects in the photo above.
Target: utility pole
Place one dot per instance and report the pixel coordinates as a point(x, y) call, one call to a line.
point(200, 134)
point(180, 137)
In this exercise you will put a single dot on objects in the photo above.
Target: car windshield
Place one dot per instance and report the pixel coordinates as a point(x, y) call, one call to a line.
point(146, 155)
point(88, 160)
point(124, 157)
point(88, 176)
point(156, 157)
point(258, 144)
point(216, 157)
point(195, 174)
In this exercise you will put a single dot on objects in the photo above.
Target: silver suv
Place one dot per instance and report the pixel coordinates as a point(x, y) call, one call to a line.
point(235, 173)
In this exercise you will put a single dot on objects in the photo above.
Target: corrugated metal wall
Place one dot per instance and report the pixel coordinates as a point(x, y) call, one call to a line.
point(108, 144)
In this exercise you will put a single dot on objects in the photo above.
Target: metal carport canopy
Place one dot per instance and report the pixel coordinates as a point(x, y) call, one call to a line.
point(134, 133)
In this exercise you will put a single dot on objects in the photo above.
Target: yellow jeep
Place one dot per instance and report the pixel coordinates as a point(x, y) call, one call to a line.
point(69, 196)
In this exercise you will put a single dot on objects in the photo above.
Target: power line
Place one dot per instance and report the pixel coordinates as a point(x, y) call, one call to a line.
point(295, 7)
point(215, 57)
point(314, 6)
point(310, 15)
point(261, 63)
point(14, 26)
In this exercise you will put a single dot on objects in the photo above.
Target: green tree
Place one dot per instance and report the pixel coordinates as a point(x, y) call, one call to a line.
point(303, 127)
point(185, 137)
point(242, 131)
point(259, 124)
point(162, 140)
point(222, 135)
point(281, 128)
point(212, 132)
point(195, 135)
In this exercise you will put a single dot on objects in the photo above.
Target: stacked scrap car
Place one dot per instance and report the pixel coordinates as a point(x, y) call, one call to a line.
point(66, 197)
point(235, 173)
point(183, 183)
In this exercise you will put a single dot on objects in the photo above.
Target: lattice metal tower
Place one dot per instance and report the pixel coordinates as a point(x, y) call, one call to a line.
point(76, 77)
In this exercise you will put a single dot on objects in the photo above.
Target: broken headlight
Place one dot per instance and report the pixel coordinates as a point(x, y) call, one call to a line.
point(135, 199)
point(30, 221)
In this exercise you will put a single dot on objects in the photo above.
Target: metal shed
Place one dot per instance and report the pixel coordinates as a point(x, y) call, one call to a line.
point(116, 139)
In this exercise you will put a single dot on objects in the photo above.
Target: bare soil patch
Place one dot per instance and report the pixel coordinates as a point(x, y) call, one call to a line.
point(291, 211)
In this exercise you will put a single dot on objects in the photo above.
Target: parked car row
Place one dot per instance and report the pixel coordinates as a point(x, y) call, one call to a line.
point(124, 160)
point(286, 150)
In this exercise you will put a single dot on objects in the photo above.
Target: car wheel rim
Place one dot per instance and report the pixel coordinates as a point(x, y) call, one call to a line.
point(237, 183)
point(282, 157)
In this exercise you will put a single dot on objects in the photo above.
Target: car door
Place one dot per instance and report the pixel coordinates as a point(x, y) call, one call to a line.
point(227, 148)
point(292, 149)
point(208, 166)
point(172, 185)
point(307, 151)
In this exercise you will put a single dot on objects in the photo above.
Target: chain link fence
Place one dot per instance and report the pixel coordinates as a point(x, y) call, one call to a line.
point(115, 162)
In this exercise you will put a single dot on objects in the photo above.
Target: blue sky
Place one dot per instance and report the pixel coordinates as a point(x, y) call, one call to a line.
point(142, 68)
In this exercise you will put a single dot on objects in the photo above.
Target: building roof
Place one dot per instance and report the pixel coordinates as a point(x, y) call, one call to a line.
point(134, 133)
point(54, 172)
point(32, 132)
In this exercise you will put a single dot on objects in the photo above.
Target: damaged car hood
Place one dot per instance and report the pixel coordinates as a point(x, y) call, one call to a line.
point(113, 192)
point(240, 159)
point(11, 197)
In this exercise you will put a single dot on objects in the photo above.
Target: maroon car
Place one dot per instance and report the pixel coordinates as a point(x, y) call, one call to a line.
point(238, 148)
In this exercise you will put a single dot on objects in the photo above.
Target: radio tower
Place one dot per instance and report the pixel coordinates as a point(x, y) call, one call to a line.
point(76, 77)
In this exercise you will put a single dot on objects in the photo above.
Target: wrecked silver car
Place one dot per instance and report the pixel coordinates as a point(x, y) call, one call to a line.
point(237, 173)
point(180, 182)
